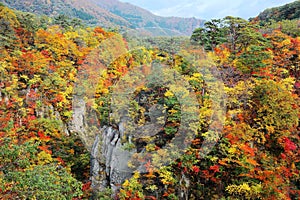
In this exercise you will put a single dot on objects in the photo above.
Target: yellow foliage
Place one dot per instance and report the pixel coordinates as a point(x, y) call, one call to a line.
point(150, 147)
point(152, 188)
point(126, 183)
point(245, 191)
point(136, 175)
point(252, 161)
point(172, 111)
point(169, 93)
point(166, 176)
point(7, 14)
point(44, 158)
point(232, 149)
point(197, 75)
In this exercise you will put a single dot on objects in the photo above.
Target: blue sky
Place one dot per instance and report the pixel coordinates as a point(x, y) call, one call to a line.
point(207, 9)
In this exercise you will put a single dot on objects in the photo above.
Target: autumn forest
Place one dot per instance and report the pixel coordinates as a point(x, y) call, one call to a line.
point(226, 101)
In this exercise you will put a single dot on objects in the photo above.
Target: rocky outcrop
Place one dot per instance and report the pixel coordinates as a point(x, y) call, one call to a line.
point(84, 122)
point(109, 160)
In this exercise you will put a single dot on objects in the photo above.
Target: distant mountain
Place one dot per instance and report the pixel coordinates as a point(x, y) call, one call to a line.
point(110, 14)
point(286, 12)
point(85, 10)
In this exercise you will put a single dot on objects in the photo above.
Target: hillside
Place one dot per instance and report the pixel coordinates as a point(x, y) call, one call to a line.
point(110, 14)
point(286, 12)
point(87, 114)
point(141, 18)
point(84, 10)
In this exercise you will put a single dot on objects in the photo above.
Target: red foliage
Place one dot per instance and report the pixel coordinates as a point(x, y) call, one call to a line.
point(283, 156)
point(86, 186)
point(297, 84)
point(195, 169)
point(59, 159)
point(232, 138)
point(31, 117)
point(80, 62)
point(288, 145)
point(215, 168)
point(285, 171)
point(43, 137)
point(122, 69)
point(45, 53)
point(150, 198)
point(240, 117)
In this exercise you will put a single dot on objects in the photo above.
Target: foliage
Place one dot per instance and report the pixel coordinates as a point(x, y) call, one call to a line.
point(110, 15)
point(40, 157)
point(25, 173)
point(132, 189)
point(253, 153)
point(245, 191)
point(288, 11)
point(44, 182)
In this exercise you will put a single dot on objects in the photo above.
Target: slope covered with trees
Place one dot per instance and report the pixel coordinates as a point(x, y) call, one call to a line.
point(40, 158)
point(286, 12)
point(245, 140)
point(111, 14)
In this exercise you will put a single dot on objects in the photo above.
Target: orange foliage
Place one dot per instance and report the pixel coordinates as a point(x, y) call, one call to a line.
point(45, 148)
point(248, 150)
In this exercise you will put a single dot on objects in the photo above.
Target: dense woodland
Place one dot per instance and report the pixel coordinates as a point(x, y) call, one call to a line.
point(256, 155)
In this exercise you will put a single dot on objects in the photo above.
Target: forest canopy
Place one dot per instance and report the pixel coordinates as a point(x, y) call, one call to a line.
point(256, 151)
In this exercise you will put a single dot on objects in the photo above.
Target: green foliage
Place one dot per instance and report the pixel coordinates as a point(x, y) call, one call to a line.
point(67, 22)
point(211, 35)
point(82, 15)
point(289, 27)
point(16, 156)
point(288, 11)
point(104, 195)
point(23, 177)
point(44, 182)
point(8, 21)
point(253, 59)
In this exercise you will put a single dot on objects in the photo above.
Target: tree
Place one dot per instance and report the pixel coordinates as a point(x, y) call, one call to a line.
point(211, 35)
point(199, 37)
point(253, 60)
point(22, 177)
point(234, 27)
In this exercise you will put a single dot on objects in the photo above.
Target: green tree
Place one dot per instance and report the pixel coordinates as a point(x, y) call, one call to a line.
point(211, 35)
point(234, 27)
point(253, 59)
point(22, 177)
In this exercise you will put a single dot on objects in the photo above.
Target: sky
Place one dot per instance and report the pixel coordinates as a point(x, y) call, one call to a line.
point(207, 9)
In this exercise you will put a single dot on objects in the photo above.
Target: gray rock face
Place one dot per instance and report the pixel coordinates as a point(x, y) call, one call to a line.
point(84, 122)
point(109, 160)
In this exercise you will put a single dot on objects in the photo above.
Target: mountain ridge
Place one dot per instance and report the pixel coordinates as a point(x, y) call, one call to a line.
point(111, 14)
point(288, 11)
